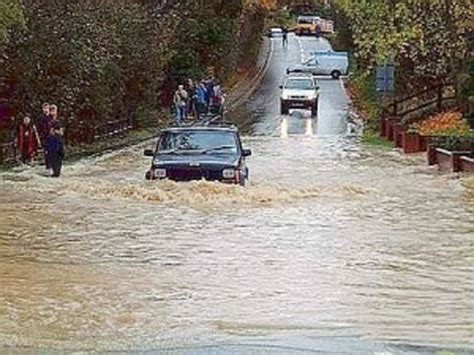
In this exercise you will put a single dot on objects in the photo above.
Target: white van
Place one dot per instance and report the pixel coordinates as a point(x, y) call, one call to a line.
point(330, 63)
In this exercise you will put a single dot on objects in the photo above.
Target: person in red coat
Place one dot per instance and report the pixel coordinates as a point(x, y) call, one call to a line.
point(28, 140)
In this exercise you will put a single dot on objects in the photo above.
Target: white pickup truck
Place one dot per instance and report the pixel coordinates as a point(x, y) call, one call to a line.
point(330, 63)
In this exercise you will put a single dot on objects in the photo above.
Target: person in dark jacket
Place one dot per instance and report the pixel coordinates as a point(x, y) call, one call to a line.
point(192, 99)
point(55, 150)
point(209, 83)
point(44, 123)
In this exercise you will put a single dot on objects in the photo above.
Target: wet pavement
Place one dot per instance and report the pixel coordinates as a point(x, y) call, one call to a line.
point(261, 114)
point(334, 247)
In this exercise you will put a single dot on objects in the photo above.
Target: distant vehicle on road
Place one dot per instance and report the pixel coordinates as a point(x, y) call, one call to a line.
point(275, 32)
point(330, 63)
point(299, 91)
point(213, 153)
point(306, 25)
point(312, 25)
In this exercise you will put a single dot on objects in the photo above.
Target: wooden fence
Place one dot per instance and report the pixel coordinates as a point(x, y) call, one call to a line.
point(409, 108)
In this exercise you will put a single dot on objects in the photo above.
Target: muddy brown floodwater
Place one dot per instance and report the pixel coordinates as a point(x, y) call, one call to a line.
point(334, 247)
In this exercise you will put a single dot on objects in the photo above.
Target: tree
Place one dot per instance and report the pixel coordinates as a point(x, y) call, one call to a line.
point(10, 14)
point(103, 58)
point(427, 39)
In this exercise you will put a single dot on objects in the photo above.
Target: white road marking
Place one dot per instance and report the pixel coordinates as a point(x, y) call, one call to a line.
point(300, 43)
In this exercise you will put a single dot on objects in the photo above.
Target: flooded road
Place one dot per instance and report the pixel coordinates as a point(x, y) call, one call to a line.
point(334, 247)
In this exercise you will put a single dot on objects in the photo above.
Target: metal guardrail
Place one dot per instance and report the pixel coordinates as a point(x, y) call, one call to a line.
point(112, 129)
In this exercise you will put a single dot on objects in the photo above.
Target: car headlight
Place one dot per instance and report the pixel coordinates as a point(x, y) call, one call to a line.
point(160, 173)
point(228, 173)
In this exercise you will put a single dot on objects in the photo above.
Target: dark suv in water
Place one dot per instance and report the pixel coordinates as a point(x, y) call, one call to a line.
point(212, 153)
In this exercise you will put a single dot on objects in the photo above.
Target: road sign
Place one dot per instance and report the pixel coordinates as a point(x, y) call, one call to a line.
point(385, 78)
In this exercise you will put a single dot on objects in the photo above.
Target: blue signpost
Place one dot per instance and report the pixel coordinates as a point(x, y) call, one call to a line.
point(385, 78)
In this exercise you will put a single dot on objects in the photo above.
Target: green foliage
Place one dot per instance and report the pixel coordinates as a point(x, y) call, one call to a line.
point(374, 139)
point(280, 18)
point(467, 91)
point(10, 14)
point(96, 59)
point(366, 98)
point(454, 143)
point(212, 37)
point(102, 60)
point(427, 39)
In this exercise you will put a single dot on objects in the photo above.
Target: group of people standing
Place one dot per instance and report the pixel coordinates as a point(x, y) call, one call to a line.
point(45, 133)
point(198, 98)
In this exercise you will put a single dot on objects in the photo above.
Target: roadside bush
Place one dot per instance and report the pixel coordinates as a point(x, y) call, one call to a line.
point(101, 60)
point(450, 123)
point(361, 88)
point(96, 59)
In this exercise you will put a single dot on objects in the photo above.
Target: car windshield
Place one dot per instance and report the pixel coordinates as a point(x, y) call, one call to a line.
point(198, 141)
point(303, 84)
point(305, 20)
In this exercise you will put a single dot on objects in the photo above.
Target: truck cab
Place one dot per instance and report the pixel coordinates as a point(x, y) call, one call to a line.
point(306, 25)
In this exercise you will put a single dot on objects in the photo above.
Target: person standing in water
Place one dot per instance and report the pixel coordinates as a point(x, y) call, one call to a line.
point(28, 140)
point(55, 150)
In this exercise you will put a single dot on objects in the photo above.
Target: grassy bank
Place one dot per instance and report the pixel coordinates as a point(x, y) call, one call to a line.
point(373, 139)
point(368, 104)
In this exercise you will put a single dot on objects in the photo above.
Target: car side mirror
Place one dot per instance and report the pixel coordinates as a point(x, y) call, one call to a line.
point(317, 87)
point(280, 86)
point(149, 153)
point(246, 152)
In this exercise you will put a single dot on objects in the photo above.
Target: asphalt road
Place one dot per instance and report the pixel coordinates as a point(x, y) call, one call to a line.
point(260, 114)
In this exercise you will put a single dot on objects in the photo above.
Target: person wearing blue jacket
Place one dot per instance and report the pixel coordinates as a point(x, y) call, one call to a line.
point(201, 98)
point(55, 150)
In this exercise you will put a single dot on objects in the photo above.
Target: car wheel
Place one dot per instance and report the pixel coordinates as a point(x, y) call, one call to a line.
point(148, 175)
point(336, 74)
point(314, 109)
point(243, 178)
point(284, 109)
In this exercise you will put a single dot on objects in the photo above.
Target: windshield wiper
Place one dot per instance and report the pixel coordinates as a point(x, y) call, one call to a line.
point(182, 151)
point(168, 151)
point(216, 149)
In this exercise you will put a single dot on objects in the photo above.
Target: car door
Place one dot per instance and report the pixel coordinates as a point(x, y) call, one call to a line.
point(310, 66)
point(316, 67)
